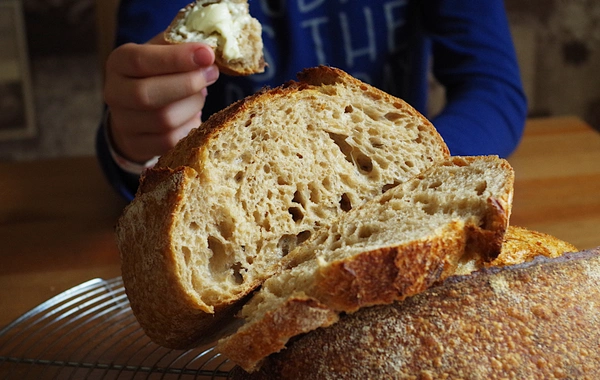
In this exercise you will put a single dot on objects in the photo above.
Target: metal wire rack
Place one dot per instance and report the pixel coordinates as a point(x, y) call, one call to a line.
point(89, 332)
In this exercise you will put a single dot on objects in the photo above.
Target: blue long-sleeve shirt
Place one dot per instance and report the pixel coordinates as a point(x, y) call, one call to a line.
point(391, 44)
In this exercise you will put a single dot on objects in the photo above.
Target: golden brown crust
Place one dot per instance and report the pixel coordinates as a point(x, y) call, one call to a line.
point(521, 245)
point(391, 273)
point(532, 320)
point(298, 315)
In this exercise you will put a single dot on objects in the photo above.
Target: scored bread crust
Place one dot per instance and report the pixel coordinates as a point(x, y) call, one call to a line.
point(250, 38)
point(168, 268)
point(533, 320)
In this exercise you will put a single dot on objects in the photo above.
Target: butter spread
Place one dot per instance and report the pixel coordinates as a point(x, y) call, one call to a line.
point(222, 19)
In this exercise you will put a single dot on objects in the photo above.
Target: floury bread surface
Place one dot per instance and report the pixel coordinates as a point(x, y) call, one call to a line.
point(387, 249)
point(213, 218)
point(535, 320)
point(226, 26)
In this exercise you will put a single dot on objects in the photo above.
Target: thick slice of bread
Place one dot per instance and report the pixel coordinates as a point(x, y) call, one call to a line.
point(226, 26)
point(520, 245)
point(537, 320)
point(216, 214)
point(391, 247)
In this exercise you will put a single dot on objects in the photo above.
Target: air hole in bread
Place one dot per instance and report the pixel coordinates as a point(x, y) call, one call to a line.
point(336, 242)
point(297, 214)
point(409, 163)
point(366, 231)
point(388, 187)
point(345, 148)
point(434, 185)
point(374, 95)
point(364, 163)
point(373, 113)
point(299, 198)
point(194, 226)
point(376, 142)
point(481, 187)
point(393, 116)
point(226, 229)
point(286, 244)
point(238, 177)
point(345, 203)
point(218, 261)
point(302, 237)
point(237, 268)
point(267, 168)
point(348, 109)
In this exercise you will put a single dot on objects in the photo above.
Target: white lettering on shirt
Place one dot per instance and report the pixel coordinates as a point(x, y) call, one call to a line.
point(393, 23)
point(370, 50)
point(313, 25)
point(306, 6)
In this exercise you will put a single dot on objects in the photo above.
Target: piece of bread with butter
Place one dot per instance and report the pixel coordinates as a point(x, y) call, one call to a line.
point(226, 26)
point(211, 221)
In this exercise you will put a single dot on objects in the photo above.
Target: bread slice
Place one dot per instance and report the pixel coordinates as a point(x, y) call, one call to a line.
point(226, 26)
point(533, 320)
point(520, 245)
point(216, 214)
point(385, 250)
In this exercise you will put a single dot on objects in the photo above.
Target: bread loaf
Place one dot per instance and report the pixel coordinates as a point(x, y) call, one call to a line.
point(211, 221)
point(391, 247)
point(226, 26)
point(536, 320)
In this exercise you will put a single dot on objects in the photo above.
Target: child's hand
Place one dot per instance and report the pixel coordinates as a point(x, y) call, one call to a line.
point(155, 93)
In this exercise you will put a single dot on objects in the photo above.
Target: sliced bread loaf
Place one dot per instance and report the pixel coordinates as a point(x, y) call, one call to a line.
point(213, 218)
point(226, 26)
point(385, 250)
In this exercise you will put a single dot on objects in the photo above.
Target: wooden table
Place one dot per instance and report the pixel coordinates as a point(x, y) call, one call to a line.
point(557, 180)
point(56, 230)
point(57, 217)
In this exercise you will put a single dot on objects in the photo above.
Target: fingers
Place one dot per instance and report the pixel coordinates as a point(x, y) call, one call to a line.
point(162, 120)
point(140, 61)
point(158, 91)
point(141, 147)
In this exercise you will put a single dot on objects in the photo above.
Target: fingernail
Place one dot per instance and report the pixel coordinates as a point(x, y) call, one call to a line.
point(211, 74)
point(203, 57)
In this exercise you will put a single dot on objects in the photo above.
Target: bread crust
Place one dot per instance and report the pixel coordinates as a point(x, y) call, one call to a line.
point(533, 320)
point(150, 271)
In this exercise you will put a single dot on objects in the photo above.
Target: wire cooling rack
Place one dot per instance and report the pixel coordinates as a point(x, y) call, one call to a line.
point(89, 332)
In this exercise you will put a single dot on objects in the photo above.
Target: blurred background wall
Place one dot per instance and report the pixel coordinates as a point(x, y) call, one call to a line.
point(557, 42)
